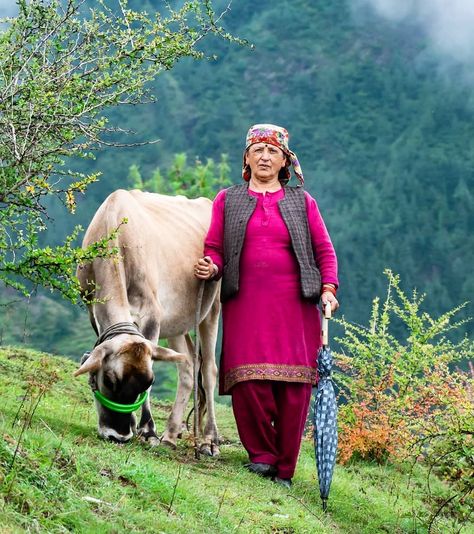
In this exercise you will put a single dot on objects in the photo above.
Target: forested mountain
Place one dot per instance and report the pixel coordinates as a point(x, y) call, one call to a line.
point(385, 140)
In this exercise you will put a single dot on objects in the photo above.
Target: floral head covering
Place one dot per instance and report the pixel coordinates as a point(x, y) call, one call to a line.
point(272, 135)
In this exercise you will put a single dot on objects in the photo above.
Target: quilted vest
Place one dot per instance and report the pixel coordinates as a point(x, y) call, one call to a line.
point(239, 206)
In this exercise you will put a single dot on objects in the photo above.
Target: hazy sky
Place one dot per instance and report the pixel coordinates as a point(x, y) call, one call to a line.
point(448, 24)
point(8, 8)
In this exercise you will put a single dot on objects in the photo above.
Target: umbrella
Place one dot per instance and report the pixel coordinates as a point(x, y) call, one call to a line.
point(325, 415)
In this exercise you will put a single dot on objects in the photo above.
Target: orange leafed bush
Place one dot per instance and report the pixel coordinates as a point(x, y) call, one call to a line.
point(397, 395)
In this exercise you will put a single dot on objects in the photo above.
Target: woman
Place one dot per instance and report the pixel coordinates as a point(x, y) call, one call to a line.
point(271, 247)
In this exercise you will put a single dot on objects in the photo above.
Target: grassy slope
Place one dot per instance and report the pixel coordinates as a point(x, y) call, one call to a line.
point(65, 479)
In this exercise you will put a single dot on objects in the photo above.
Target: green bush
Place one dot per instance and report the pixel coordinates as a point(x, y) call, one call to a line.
point(408, 399)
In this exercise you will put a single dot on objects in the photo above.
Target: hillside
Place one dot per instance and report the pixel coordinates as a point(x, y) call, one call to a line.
point(57, 476)
point(385, 141)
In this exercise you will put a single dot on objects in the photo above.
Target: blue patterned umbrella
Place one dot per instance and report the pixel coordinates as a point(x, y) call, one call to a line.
point(325, 416)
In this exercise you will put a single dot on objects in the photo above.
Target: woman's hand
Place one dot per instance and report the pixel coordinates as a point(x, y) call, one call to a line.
point(327, 296)
point(205, 268)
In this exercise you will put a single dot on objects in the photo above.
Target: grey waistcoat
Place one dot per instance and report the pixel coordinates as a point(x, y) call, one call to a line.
point(239, 206)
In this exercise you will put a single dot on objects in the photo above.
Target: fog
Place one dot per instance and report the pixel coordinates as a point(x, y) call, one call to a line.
point(447, 24)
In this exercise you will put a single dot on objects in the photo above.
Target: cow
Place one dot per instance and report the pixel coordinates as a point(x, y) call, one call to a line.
point(145, 293)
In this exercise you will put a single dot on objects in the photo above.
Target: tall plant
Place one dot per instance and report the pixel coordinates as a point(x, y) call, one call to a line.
point(61, 66)
point(407, 398)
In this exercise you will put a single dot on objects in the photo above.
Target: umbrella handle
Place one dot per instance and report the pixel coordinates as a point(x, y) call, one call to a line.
point(325, 324)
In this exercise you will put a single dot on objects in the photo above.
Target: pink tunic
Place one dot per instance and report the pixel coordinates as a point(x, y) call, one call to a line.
point(269, 331)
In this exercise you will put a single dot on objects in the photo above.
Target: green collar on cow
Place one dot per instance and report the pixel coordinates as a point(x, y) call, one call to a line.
point(121, 408)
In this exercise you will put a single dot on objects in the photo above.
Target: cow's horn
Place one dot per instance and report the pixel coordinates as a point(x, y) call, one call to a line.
point(92, 363)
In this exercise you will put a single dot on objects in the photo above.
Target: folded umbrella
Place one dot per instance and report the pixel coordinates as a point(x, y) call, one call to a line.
point(325, 415)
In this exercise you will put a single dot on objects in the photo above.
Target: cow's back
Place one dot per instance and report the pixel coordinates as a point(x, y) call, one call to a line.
point(158, 246)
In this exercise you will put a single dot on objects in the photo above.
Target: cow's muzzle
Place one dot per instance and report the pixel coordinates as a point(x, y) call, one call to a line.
point(112, 435)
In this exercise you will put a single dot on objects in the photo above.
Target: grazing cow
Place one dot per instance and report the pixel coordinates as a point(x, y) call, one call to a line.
point(148, 293)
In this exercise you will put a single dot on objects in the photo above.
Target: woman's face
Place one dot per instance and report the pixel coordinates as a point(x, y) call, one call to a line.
point(265, 161)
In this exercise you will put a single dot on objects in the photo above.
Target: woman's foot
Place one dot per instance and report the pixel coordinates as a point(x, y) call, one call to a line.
point(285, 482)
point(264, 470)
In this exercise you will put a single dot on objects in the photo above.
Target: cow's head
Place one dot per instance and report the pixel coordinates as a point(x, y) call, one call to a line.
point(121, 369)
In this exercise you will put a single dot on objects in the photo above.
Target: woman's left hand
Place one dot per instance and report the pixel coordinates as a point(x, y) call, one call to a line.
point(205, 268)
point(327, 296)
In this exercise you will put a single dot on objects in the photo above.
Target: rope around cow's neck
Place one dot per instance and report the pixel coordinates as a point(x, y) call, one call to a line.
point(117, 329)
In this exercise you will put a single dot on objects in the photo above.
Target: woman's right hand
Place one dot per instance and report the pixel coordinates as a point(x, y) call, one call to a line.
point(205, 268)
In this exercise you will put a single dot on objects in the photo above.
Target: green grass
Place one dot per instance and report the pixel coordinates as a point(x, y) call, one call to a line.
point(64, 478)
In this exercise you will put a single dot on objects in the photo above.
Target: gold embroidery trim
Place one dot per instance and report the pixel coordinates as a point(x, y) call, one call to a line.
point(270, 371)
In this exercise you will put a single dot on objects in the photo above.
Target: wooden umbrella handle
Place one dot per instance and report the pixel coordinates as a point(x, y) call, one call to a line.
point(325, 325)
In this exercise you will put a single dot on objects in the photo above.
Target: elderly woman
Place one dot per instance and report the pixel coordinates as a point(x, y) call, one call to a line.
point(270, 245)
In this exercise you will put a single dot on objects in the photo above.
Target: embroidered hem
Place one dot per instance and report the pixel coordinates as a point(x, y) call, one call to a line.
point(270, 371)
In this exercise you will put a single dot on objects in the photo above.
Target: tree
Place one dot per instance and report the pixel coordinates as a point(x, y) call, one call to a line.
point(61, 67)
point(200, 180)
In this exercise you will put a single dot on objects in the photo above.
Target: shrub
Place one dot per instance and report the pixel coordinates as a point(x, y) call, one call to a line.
point(404, 396)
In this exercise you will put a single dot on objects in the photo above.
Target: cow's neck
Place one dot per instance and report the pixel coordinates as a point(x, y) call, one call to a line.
point(106, 316)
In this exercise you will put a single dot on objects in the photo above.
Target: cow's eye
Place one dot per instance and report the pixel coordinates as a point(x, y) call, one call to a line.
point(108, 381)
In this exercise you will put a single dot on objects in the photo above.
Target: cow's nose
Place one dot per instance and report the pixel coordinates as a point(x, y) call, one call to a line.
point(113, 435)
point(120, 439)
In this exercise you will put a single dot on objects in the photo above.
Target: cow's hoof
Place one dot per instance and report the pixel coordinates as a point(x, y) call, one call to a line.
point(152, 441)
point(169, 444)
point(150, 438)
point(209, 449)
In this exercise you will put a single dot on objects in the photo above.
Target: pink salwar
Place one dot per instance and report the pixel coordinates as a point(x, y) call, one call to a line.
point(270, 418)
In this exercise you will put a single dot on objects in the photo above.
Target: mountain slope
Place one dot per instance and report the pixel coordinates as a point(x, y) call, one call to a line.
point(56, 475)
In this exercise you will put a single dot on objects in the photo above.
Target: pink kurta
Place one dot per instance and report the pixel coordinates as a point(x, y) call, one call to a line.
point(269, 331)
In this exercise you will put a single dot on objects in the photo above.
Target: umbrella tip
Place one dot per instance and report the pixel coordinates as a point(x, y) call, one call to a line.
point(325, 505)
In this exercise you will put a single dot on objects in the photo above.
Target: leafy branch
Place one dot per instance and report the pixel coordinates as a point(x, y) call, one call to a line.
point(61, 66)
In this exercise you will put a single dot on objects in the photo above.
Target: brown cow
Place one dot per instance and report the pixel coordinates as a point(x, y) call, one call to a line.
point(149, 293)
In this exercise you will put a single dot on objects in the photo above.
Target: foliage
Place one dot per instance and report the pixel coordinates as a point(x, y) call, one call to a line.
point(447, 446)
point(406, 398)
point(200, 180)
point(65, 478)
point(385, 142)
point(61, 67)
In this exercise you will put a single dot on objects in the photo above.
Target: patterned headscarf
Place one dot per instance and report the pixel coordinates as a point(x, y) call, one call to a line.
point(272, 135)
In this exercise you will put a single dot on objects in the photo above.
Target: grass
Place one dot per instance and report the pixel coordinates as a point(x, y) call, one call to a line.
point(56, 475)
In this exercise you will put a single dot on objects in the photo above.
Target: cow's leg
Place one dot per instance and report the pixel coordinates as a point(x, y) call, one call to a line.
point(208, 332)
point(183, 392)
point(146, 427)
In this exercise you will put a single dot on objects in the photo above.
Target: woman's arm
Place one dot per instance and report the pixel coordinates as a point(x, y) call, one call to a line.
point(324, 252)
point(214, 242)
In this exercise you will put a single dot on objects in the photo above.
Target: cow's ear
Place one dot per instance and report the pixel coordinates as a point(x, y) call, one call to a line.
point(93, 362)
point(167, 355)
